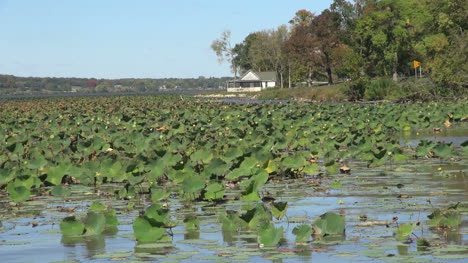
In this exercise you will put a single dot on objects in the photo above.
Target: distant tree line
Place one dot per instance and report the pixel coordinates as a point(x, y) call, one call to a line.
point(29, 85)
point(360, 39)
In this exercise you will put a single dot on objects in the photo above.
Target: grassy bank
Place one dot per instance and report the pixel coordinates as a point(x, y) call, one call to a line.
point(331, 93)
point(409, 89)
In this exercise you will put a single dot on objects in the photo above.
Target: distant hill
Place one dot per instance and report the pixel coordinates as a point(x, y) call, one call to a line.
point(12, 85)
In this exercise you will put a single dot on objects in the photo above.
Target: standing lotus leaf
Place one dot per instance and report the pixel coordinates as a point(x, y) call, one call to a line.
point(404, 231)
point(329, 224)
point(303, 233)
point(269, 235)
point(70, 226)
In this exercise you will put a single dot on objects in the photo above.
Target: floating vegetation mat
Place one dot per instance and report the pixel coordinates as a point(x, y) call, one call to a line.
point(165, 179)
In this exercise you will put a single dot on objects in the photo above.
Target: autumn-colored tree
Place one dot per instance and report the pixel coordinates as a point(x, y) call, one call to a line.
point(302, 18)
point(325, 38)
point(301, 54)
point(92, 83)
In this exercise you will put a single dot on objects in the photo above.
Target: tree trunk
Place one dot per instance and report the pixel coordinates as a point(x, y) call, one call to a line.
point(289, 77)
point(330, 77)
point(309, 78)
point(328, 69)
point(281, 79)
point(395, 68)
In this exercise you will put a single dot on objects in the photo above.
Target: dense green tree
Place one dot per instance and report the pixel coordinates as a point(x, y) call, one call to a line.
point(365, 38)
point(386, 35)
point(241, 53)
point(443, 48)
point(266, 51)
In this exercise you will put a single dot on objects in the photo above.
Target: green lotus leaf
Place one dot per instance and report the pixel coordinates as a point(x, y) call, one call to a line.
point(159, 194)
point(303, 233)
point(202, 156)
point(232, 222)
point(404, 231)
point(59, 190)
point(257, 216)
point(311, 169)
point(424, 147)
point(294, 162)
point(193, 184)
point(239, 172)
point(278, 209)
point(114, 171)
point(55, 174)
point(270, 166)
point(399, 158)
point(249, 163)
point(157, 170)
point(97, 207)
point(445, 218)
point(443, 151)
point(95, 223)
point(231, 154)
point(250, 194)
point(18, 194)
point(269, 236)
point(145, 232)
point(6, 176)
point(217, 167)
point(158, 215)
point(111, 219)
point(37, 163)
point(329, 224)
point(214, 191)
point(191, 222)
point(70, 226)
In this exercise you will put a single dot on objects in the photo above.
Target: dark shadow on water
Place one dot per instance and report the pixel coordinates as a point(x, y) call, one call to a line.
point(455, 238)
point(192, 234)
point(155, 250)
point(305, 252)
point(94, 245)
point(330, 239)
point(229, 237)
point(403, 250)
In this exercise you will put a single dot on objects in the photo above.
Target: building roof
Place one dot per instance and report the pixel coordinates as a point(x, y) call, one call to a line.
point(267, 75)
point(262, 76)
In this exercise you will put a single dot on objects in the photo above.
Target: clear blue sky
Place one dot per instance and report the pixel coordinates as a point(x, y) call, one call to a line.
point(130, 38)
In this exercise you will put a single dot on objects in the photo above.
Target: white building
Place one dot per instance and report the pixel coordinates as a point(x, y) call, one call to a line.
point(252, 81)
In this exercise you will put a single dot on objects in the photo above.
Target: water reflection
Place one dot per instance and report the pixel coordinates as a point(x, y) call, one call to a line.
point(455, 237)
point(453, 135)
point(305, 252)
point(402, 250)
point(229, 237)
point(94, 245)
point(192, 234)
